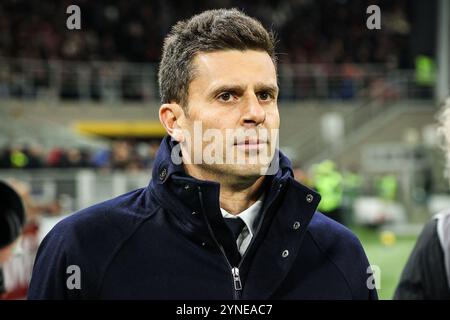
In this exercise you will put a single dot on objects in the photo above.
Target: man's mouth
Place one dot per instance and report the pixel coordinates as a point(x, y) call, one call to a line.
point(251, 144)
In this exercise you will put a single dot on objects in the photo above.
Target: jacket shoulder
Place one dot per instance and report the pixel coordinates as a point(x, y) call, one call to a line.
point(88, 239)
point(97, 232)
point(344, 250)
point(331, 235)
point(119, 214)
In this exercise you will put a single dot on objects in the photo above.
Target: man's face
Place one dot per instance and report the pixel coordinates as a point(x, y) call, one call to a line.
point(234, 93)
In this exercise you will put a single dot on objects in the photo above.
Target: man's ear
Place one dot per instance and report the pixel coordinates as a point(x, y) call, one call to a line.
point(170, 115)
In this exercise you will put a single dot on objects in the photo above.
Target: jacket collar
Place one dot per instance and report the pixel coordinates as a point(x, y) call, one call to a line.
point(195, 203)
point(168, 174)
point(164, 167)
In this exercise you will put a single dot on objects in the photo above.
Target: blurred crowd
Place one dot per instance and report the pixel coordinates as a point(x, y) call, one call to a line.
point(130, 30)
point(122, 155)
point(329, 35)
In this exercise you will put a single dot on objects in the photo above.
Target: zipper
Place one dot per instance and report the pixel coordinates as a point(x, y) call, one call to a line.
point(237, 283)
point(236, 279)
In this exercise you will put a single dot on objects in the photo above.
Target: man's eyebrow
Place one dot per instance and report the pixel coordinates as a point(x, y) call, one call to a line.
point(273, 88)
point(227, 88)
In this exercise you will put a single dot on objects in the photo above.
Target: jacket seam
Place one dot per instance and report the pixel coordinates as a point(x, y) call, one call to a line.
point(63, 244)
point(332, 262)
point(120, 246)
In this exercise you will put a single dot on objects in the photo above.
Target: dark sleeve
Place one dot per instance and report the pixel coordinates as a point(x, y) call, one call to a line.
point(48, 279)
point(424, 275)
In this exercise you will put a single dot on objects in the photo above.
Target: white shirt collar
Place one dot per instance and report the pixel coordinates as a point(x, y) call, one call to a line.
point(248, 215)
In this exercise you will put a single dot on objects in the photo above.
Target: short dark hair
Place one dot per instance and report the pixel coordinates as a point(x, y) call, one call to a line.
point(209, 31)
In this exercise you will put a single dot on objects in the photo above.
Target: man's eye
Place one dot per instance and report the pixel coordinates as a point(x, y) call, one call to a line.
point(226, 96)
point(265, 96)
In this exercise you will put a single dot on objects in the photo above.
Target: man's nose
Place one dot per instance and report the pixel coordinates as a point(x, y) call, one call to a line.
point(253, 113)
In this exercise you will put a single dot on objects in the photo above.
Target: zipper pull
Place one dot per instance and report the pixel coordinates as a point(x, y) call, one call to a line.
point(237, 279)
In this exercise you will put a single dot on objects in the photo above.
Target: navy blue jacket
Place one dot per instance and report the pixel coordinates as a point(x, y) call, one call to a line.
point(169, 241)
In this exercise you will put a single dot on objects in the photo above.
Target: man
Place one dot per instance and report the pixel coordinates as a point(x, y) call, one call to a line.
point(235, 227)
point(329, 183)
point(427, 272)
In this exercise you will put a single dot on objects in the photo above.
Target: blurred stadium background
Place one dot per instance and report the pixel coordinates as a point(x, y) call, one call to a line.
point(79, 123)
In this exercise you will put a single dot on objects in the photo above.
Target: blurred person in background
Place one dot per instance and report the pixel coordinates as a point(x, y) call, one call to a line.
point(427, 272)
point(12, 220)
point(386, 186)
point(328, 182)
point(19, 236)
point(353, 184)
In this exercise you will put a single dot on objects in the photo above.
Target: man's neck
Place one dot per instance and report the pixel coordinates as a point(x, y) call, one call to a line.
point(236, 195)
point(235, 199)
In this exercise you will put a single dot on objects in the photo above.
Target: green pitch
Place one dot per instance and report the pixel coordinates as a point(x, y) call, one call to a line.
point(390, 259)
